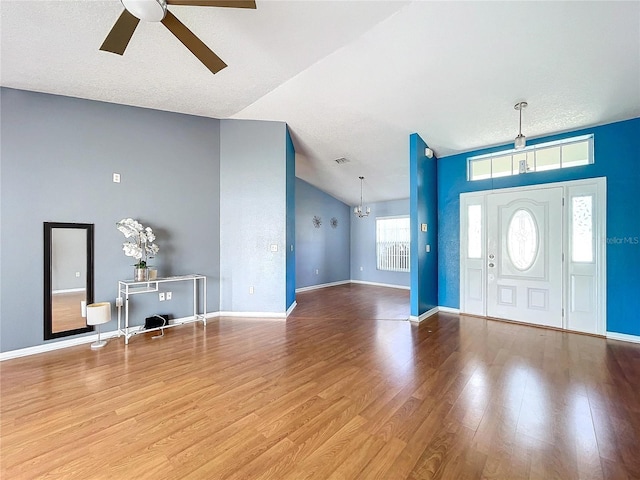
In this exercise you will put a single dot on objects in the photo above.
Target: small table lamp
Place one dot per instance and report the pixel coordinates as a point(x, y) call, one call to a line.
point(97, 314)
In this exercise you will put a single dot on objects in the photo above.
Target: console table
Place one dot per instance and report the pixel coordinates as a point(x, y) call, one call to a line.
point(127, 288)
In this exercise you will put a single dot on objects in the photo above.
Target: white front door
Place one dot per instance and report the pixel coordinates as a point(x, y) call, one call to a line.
point(524, 256)
point(536, 254)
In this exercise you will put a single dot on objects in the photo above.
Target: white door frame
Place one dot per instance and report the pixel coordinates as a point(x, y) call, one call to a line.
point(473, 271)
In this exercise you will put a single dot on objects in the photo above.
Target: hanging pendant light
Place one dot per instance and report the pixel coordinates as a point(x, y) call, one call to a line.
point(520, 140)
point(360, 210)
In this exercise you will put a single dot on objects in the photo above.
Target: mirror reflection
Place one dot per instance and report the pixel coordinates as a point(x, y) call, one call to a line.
point(68, 277)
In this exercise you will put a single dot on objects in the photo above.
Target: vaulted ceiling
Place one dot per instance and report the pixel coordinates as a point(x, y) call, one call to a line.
point(351, 78)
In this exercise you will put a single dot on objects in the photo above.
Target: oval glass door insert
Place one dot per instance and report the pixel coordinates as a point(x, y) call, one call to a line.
point(522, 239)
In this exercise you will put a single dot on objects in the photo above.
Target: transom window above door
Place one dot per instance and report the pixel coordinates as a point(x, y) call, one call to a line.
point(571, 152)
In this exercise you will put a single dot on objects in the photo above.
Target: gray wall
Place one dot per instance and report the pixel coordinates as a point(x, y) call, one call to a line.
point(56, 160)
point(252, 216)
point(363, 244)
point(324, 249)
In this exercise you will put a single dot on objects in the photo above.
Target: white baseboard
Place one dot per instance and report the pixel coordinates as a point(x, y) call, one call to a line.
point(258, 315)
point(376, 284)
point(321, 285)
point(449, 310)
point(48, 347)
point(265, 315)
point(623, 337)
point(344, 282)
point(72, 342)
point(433, 311)
point(424, 316)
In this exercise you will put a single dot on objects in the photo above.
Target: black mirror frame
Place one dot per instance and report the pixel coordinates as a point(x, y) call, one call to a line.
point(48, 323)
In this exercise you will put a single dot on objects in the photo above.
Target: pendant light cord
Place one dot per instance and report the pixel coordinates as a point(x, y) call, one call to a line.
point(520, 126)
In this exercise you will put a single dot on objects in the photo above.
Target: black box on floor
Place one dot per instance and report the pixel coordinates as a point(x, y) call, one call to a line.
point(156, 321)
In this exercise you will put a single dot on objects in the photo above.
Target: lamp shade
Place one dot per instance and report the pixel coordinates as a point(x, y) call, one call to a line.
point(98, 313)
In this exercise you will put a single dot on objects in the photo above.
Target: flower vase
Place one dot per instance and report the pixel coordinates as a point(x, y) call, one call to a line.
point(140, 274)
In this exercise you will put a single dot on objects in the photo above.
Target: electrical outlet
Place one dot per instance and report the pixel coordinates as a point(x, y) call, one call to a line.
point(274, 247)
point(116, 178)
point(361, 269)
point(317, 271)
point(428, 248)
point(168, 296)
point(161, 296)
point(251, 290)
point(77, 274)
point(118, 301)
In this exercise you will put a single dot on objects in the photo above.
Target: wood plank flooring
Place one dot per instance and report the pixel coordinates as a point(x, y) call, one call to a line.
point(342, 390)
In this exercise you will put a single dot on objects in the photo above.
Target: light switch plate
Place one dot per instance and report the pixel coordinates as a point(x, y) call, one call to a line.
point(423, 227)
point(274, 247)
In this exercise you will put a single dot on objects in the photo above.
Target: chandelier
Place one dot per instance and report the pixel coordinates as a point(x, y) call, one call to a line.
point(360, 210)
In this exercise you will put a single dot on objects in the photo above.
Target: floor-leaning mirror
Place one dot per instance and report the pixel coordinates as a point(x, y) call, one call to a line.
point(68, 278)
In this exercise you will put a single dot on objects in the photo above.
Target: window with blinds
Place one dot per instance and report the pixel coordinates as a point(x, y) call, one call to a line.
point(393, 239)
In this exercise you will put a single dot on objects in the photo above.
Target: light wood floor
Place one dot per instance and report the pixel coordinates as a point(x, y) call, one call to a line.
point(330, 394)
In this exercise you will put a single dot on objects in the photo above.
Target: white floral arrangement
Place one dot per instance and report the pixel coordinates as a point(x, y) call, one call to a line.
point(141, 246)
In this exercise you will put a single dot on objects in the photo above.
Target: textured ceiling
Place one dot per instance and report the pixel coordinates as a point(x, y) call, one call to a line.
point(351, 78)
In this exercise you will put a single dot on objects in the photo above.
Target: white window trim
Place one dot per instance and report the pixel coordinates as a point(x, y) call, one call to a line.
point(532, 148)
point(378, 260)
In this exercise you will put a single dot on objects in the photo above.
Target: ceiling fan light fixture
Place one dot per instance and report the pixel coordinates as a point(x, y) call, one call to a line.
point(520, 140)
point(147, 10)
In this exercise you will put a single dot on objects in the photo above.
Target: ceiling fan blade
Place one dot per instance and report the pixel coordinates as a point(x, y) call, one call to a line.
point(215, 3)
point(120, 34)
point(193, 43)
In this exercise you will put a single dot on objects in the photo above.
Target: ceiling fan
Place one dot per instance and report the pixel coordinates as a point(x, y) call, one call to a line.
point(156, 11)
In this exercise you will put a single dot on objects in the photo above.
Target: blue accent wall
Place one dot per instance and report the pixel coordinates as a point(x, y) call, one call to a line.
point(324, 249)
point(291, 221)
point(617, 157)
point(423, 206)
point(363, 244)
